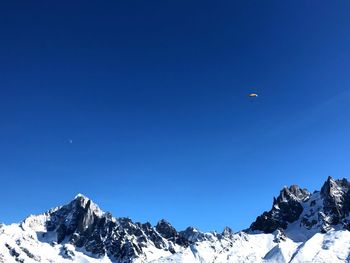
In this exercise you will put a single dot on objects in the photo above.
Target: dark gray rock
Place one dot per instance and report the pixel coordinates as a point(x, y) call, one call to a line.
point(169, 232)
point(336, 202)
point(286, 209)
point(84, 225)
point(227, 232)
point(166, 230)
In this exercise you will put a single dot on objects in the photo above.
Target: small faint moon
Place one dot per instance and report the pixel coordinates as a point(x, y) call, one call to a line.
point(70, 141)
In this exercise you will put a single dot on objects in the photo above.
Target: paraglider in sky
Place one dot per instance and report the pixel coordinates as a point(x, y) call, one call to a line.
point(252, 95)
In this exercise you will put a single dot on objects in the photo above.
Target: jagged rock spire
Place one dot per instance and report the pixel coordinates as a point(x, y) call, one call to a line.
point(286, 208)
point(336, 200)
point(227, 232)
point(166, 229)
point(332, 208)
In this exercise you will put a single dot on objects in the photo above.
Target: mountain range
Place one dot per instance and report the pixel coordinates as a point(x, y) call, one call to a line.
point(300, 227)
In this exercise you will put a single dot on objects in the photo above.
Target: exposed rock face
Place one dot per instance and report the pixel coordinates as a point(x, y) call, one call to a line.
point(166, 230)
point(227, 232)
point(81, 227)
point(321, 210)
point(286, 209)
point(336, 202)
point(169, 232)
point(79, 217)
point(83, 224)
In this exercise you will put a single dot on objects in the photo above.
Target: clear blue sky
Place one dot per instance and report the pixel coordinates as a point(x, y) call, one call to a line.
point(153, 96)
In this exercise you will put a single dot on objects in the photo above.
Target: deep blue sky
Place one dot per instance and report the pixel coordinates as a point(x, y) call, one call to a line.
point(153, 96)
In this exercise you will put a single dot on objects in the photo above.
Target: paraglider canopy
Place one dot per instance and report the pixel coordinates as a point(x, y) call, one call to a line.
point(253, 95)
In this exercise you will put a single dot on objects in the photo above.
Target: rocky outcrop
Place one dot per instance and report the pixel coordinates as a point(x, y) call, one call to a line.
point(323, 210)
point(82, 226)
point(286, 208)
point(336, 202)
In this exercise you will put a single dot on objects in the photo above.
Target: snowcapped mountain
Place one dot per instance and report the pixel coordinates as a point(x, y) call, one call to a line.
point(300, 227)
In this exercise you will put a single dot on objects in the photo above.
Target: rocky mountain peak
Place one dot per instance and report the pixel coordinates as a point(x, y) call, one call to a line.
point(336, 202)
point(334, 187)
point(319, 211)
point(82, 202)
point(227, 232)
point(292, 192)
point(286, 209)
point(77, 218)
point(166, 229)
point(83, 224)
point(80, 227)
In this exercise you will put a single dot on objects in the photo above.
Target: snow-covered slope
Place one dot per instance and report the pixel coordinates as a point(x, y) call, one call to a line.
point(300, 227)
